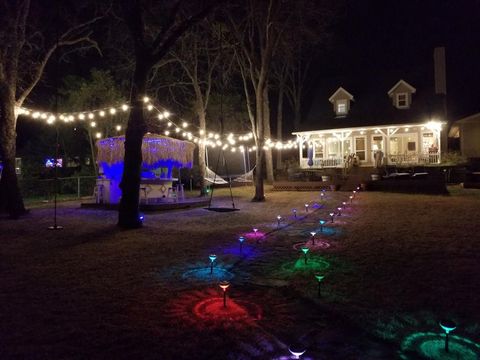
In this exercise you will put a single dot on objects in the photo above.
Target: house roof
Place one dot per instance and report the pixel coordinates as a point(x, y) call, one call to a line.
point(372, 104)
point(454, 131)
point(340, 90)
point(401, 82)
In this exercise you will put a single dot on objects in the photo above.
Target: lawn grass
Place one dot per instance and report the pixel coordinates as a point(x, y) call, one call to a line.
point(394, 265)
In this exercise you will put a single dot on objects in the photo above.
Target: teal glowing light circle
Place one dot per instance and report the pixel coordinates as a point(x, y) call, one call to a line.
point(447, 325)
point(430, 345)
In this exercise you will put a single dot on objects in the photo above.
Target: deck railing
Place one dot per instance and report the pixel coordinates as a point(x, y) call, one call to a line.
point(321, 163)
point(414, 158)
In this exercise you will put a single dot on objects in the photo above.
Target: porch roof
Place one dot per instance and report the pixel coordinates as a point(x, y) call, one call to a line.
point(430, 124)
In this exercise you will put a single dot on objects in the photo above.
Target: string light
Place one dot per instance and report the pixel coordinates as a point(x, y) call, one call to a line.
point(161, 115)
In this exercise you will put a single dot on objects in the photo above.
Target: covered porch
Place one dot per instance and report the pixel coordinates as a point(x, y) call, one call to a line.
point(406, 144)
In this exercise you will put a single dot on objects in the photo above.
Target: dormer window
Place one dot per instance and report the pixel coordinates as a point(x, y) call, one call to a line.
point(341, 107)
point(341, 102)
point(401, 94)
point(402, 100)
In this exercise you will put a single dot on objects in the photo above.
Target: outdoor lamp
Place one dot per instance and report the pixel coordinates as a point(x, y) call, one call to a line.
point(212, 258)
point(279, 219)
point(313, 233)
point(354, 193)
point(321, 222)
point(447, 326)
point(351, 199)
point(322, 195)
point(332, 214)
point(296, 350)
point(344, 204)
point(255, 230)
point(241, 239)
point(319, 278)
point(295, 213)
point(141, 217)
point(224, 286)
point(305, 251)
point(306, 208)
point(339, 211)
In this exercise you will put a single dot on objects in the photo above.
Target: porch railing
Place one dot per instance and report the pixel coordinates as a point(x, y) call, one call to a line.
point(415, 158)
point(321, 163)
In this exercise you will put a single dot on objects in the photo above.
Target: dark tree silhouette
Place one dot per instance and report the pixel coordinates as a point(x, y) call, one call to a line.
point(154, 27)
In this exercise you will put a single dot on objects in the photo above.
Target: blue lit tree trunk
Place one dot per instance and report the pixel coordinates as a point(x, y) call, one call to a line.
point(150, 48)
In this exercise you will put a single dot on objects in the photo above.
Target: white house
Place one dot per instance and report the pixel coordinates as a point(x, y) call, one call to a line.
point(403, 127)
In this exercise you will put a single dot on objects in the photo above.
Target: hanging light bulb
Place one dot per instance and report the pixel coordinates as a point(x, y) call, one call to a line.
point(113, 111)
point(118, 127)
point(146, 99)
point(91, 116)
point(93, 124)
point(101, 113)
point(124, 107)
point(166, 114)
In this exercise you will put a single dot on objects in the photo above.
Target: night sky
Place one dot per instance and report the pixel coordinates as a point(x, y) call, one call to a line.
point(373, 39)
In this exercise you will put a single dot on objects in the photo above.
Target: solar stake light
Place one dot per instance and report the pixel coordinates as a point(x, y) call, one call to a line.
point(212, 258)
point(297, 350)
point(354, 193)
point(358, 188)
point(339, 211)
point(295, 213)
point(306, 208)
point(332, 214)
point(241, 239)
point(313, 233)
point(322, 195)
point(447, 326)
point(351, 199)
point(279, 219)
point(319, 278)
point(321, 222)
point(224, 286)
point(255, 230)
point(305, 251)
point(344, 204)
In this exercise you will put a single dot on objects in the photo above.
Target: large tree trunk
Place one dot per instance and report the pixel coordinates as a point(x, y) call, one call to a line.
point(259, 141)
point(128, 216)
point(201, 150)
point(281, 90)
point(268, 134)
point(10, 197)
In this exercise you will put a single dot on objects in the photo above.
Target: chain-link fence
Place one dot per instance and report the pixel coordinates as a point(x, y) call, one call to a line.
point(67, 187)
